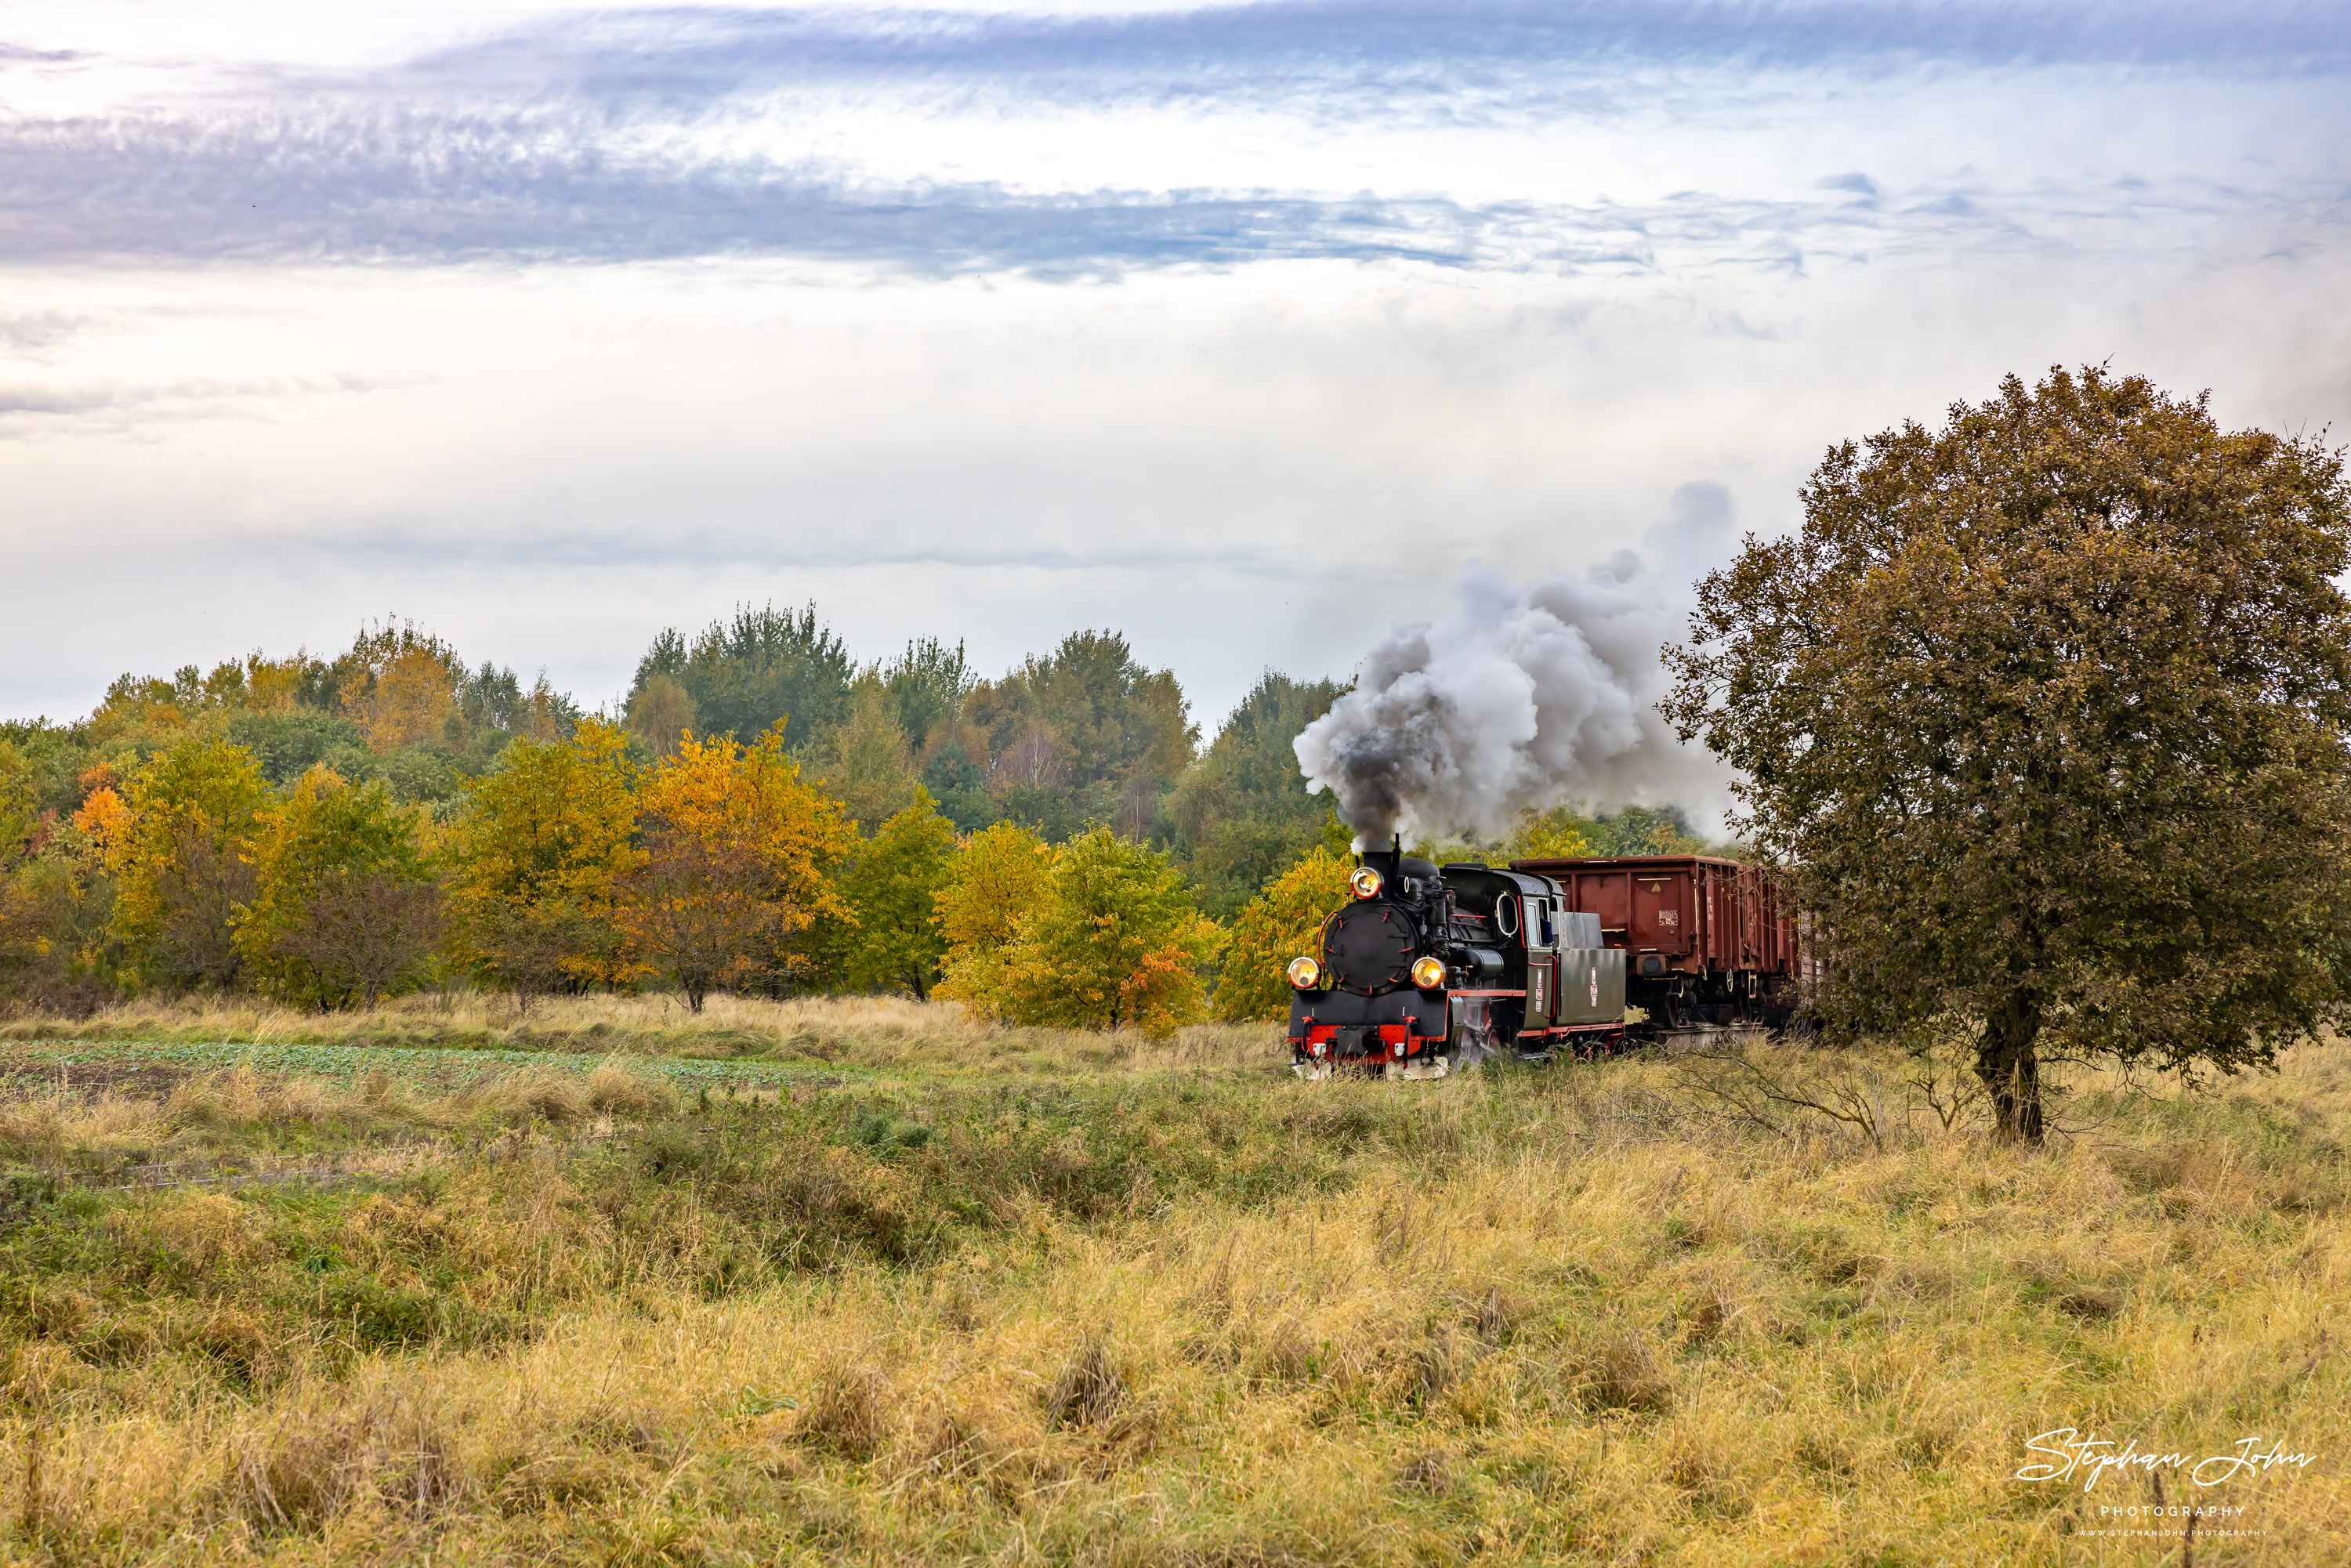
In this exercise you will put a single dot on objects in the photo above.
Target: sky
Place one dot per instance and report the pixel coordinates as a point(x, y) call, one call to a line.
point(1247, 331)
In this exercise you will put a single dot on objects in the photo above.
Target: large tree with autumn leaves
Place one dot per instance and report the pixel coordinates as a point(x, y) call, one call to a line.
point(2047, 709)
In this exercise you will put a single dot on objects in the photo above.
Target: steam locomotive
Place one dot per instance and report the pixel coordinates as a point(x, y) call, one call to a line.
point(1427, 970)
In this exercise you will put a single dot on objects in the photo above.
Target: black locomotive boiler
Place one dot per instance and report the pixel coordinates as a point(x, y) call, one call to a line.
point(1426, 970)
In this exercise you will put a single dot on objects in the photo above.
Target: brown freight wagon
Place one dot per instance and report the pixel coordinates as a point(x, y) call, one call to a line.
point(1706, 940)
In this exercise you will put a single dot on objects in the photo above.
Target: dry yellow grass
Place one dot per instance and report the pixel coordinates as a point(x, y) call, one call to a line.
point(886, 1033)
point(1608, 1330)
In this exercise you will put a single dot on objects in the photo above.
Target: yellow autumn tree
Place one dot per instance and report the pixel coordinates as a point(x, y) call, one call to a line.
point(178, 859)
point(1279, 925)
point(275, 685)
point(344, 909)
point(407, 700)
point(738, 861)
point(662, 713)
point(1556, 834)
point(996, 882)
point(535, 859)
point(1115, 943)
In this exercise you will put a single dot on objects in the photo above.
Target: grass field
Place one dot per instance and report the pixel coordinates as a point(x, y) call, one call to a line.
point(867, 1282)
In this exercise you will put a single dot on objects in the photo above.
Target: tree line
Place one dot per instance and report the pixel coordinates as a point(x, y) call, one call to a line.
point(2045, 712)
point(761, 814)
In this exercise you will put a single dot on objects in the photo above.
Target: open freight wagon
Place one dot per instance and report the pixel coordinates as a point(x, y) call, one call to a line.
point(1706, 940)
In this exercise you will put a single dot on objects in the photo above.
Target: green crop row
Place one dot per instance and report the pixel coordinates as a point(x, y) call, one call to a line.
point(423, 1064)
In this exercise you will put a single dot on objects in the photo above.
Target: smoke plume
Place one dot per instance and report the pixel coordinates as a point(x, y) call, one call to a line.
point(1517, 699)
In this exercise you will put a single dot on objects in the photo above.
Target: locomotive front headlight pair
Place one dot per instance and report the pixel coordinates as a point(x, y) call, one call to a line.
point(1305, 974)
point(1429, 973)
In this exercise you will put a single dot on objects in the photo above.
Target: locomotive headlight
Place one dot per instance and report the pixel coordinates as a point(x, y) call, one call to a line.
point(1365, 882)
point(1429, 973)
point(1305, 973)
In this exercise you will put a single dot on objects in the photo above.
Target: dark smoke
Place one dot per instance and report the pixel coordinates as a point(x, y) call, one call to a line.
point(1519, 699)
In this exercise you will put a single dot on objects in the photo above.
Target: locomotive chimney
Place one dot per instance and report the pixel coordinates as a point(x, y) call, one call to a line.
point(1386, 862)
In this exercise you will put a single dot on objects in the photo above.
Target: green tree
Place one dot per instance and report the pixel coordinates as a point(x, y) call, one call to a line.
point(1279, 925)
point(57, 900)
point(345, 908)
point(1116, 941)
point(1643, 830)
point(1089, 725)
point(2047, 710)
point(1241, 813)
point(867, 766)
point(893, 887)
point(18, 803)
point(927, 685)
point(288, 745)
point(179, 866)
point(746, 674)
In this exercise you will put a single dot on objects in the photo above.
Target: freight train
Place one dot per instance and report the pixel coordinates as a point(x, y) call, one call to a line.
point(1426, 970)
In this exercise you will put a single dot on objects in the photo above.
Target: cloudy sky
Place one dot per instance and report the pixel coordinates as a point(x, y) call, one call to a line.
point(1242, 329)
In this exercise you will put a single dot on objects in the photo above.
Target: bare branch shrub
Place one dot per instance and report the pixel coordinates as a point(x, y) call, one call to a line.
point(1733, 1084)
point(202, 890)
point(365, 936)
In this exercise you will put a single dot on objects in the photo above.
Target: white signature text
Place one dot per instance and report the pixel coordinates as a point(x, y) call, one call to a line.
point(2065, 1453)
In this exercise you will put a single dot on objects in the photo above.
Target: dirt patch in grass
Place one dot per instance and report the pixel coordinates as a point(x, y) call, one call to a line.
point(88, 1080)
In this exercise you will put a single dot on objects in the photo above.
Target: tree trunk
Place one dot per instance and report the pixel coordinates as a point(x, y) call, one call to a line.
point(2005, 1062)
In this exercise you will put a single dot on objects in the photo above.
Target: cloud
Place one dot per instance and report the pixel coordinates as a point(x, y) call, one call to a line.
point(925, 141)
point(545, 187)
point(25, 406)
point(524, 189)
point(28, 331)
point(669, 57)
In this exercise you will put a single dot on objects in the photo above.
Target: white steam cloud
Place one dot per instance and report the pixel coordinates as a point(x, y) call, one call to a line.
point(1517, 699)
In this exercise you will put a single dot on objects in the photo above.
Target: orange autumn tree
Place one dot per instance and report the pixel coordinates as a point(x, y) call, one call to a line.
point(740, 855)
